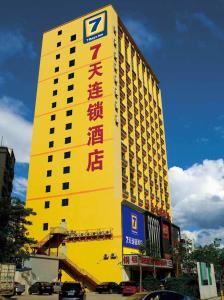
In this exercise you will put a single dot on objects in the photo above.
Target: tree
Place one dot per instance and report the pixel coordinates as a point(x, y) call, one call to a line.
point(213, 254)
point(181, 256)
point(14, 239)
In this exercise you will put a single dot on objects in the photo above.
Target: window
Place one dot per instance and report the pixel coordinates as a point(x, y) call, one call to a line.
point(73, 37)
point(55, 92)
point(69, 112)
point(46, 204)
point(65, 185)
point(67, 154)
point(58, 56)
point(45, 226)
point(51, 144)
point(71, 87)
point(55, 80)
point(53, 117)
point(63, 220)
point(66, 170)
point(69, 100)
point(71, 75)
point(50, 158)
point(71, 63)
point(47, 188)
point(64, 202)
point(72, 50)
point(58, 44)
point(68, 126)
point(53, 104)
point(51, 130)
point(68, 140)
point(56, 69)
point(59, 32)
point(49, 173)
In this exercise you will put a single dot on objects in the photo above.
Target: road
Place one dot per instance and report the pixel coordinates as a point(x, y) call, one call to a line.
point(89, 296)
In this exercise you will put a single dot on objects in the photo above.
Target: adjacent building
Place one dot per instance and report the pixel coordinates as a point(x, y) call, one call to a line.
point(7, 162)
point(98, 165)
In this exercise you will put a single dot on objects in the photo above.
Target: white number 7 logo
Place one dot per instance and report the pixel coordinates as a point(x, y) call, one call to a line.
point(95, 23)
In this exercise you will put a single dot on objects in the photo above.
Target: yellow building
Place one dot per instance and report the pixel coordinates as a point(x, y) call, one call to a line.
point(98, 143)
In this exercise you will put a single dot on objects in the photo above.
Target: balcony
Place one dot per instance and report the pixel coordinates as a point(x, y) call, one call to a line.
point(123, 134)
point(122, 95)
point(139, 174)
point(121, 57)
point(131, 140)
point(142, 117)
point(121, 71)
point(140, 188)
point(132, 183)
point(138, 148)
point(133, 198)
point(124, 163)
point(135, 110)
point(130, 127)
point(129, 103)
point(127, 67)
point(140, 202)
point(123, 147)
point(133, 75)
point(132, 168)
point(125, 194)
point(131, 154)
point(123, 120)
point(123, 108)
point(137, 134)
point(124, 178)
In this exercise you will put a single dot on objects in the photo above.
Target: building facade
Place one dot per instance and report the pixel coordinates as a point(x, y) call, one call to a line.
point(7, 162)
point(98, 158)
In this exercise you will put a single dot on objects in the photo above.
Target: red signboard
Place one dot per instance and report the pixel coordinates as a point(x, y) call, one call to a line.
point(134, 260)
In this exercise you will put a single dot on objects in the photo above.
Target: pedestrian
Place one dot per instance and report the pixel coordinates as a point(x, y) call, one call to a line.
point(59, 275)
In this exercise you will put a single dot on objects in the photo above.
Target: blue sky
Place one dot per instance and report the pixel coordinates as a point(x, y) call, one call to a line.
point(182, 40)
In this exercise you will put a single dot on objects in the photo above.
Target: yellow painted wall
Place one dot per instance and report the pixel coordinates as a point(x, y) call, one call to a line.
point(94, 197)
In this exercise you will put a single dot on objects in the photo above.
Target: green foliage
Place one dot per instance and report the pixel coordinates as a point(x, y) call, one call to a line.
point(14, 240)
point(211, 253)
point(150, 283)
point(185, 284)
point(149, 249)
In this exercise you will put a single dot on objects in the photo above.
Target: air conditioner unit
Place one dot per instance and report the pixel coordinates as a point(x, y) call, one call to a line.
point(106, 256)
point(113, 255)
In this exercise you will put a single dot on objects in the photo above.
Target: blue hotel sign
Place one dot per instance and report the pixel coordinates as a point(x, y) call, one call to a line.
point(133, 228)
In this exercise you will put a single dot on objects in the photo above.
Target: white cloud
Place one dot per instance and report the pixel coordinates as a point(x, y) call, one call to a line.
point(19, 186)
point(198, 198)
point(144, 37)
point(209, 24)
point(12, 43)
point(14, 128)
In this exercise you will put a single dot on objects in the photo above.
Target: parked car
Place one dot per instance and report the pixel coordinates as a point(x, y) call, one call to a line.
point(129, 288)
point(19, 288)
point(108, 287)
point(56, 286)
point(40, 288)
point(72, 291)
point(160, 295)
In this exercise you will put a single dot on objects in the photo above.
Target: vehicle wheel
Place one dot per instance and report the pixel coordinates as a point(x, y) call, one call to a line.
point(100, 292)
point(50, 293)
point(30, 293)
point(40, 293)
point(110, 291)
point(19, 293)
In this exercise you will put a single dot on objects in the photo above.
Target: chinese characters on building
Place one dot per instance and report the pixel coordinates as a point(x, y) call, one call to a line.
point(95, 111)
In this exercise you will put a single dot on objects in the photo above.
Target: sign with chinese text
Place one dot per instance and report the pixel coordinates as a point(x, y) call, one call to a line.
point(133, 228)
point(146, 261)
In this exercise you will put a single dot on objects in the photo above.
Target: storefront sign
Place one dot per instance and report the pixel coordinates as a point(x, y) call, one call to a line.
point(135, 260)
point(133, 228)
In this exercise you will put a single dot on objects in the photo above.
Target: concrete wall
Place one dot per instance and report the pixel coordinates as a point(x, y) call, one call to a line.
point(44, 268)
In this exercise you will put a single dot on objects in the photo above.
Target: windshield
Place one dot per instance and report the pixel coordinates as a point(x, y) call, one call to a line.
point(71, 286)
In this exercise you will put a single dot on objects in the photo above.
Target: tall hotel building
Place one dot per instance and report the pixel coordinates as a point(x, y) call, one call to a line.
point(98, 164)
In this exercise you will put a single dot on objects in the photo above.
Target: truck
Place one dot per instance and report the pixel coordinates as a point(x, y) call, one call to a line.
point(7, 279)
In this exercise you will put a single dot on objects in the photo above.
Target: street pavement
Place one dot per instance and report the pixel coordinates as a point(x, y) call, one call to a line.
point(89, 296)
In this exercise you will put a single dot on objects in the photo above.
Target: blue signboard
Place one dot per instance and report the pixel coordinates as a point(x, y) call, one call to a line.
point(95, 27)
point(133, 228)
